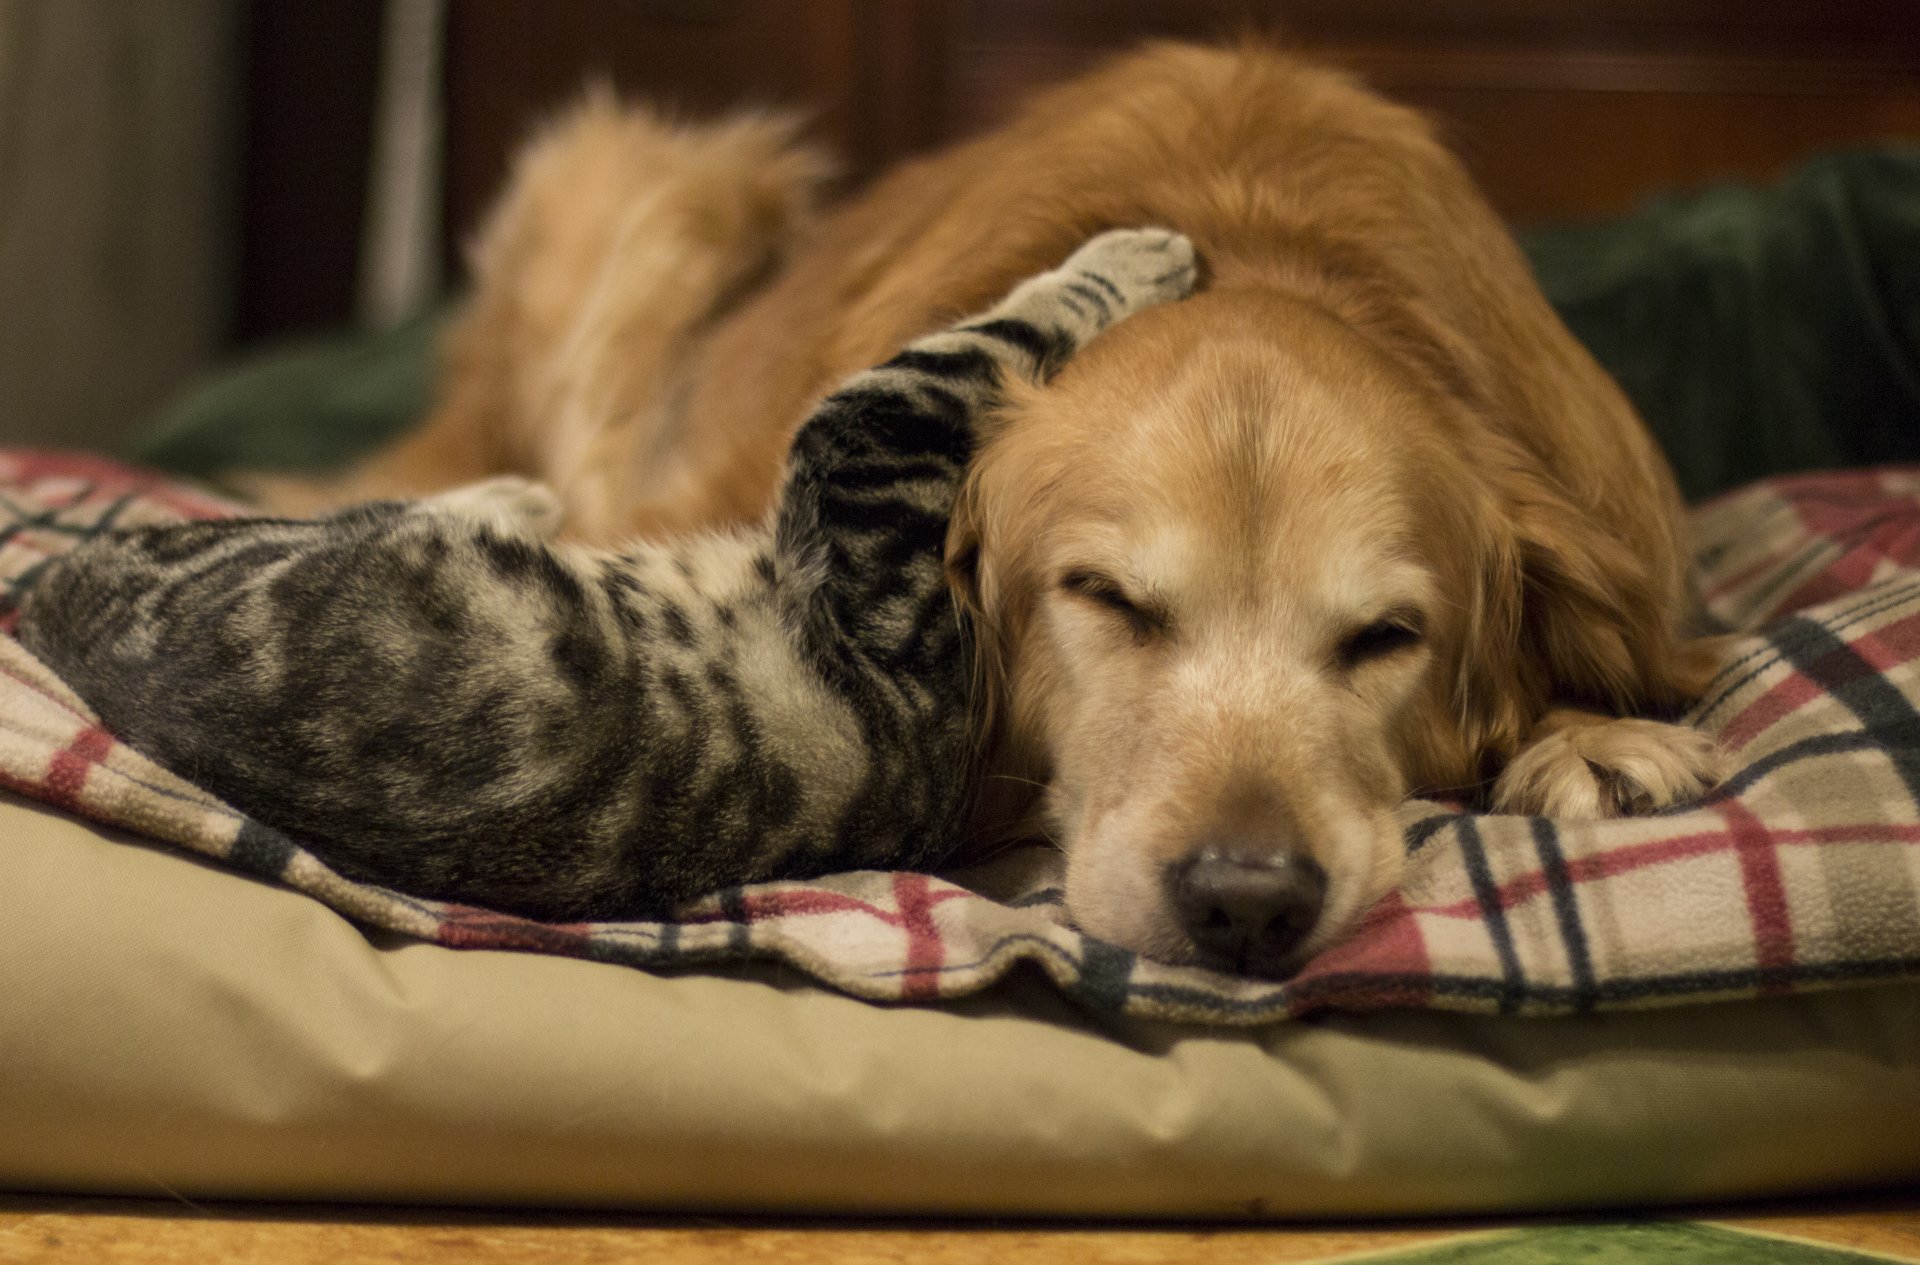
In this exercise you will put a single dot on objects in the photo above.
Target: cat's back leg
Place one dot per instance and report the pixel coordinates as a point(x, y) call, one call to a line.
point(505, 502)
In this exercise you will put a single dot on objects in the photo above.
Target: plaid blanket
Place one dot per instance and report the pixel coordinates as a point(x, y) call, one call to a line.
point(1802, 871)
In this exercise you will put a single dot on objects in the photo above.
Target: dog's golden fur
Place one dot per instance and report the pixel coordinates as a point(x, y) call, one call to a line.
point(1179, 559)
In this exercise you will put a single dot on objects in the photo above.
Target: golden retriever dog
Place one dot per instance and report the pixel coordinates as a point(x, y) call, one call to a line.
point(1359, 521)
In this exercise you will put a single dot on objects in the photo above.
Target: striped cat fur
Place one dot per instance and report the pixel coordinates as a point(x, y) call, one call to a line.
point(440, 698)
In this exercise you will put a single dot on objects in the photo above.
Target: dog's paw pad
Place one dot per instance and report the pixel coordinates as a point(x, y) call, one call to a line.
point(1608, 768)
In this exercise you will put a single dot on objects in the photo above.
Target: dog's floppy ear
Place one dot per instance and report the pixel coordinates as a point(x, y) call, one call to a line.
point(978, 573)
point(963, 551)
point(1591, 607)
point(1567, 614)
point(970, 581)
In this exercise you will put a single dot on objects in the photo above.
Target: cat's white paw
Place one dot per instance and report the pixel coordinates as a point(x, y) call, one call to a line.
point(1136, 267)
point(1590, 766)
point(508, 501)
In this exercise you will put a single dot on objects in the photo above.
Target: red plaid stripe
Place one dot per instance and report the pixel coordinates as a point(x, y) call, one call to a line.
point(67, 773)
point(1766, 891)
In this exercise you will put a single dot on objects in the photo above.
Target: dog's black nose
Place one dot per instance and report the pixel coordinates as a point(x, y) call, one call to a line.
point(1248, 915)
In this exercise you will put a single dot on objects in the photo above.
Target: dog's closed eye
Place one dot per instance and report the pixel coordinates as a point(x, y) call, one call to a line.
point(1143, 618)
point(1381, 639)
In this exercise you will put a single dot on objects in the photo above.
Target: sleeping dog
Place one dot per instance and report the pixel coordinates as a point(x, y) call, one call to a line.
point(1360, 521)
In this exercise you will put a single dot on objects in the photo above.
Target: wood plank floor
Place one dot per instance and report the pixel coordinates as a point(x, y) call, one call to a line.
point(141, 1232)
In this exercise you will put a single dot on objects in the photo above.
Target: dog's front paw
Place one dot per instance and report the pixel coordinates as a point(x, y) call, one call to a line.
point(1582, 765)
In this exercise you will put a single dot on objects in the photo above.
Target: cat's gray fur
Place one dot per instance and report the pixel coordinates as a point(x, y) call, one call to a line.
point(434, 698)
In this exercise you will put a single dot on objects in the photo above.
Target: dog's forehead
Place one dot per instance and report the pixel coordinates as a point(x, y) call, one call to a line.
point(1259, 467)
point(1238, 455)
point(1272, 519)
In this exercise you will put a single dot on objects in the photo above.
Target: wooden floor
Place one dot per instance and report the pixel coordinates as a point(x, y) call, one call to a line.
point(33, 1229)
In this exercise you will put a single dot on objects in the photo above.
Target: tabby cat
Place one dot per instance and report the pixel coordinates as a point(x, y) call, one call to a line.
point(435, 699)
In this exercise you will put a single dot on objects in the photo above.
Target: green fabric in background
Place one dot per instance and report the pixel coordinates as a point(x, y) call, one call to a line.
point(1758, 331)
point(310, 405)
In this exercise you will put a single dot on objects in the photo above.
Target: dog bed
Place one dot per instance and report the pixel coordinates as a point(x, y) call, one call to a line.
point(1732, 992)
point(1800, 875)
point(1801, 871)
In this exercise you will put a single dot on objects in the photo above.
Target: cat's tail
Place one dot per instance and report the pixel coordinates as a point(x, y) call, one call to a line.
point(620, 238)
point(83, 616)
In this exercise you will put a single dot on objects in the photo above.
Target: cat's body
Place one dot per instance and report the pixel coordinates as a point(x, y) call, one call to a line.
point(438, 699)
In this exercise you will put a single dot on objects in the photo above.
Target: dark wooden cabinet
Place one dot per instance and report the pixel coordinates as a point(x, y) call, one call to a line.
point(1562, 107)
point(866, 71)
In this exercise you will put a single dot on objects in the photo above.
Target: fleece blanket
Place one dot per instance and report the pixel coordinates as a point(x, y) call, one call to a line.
point(1802, 871)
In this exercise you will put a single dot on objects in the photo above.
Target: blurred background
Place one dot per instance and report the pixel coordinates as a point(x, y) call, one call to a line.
point(184, 181)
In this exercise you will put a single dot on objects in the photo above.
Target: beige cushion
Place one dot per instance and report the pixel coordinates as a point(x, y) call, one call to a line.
point(167, 1027)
